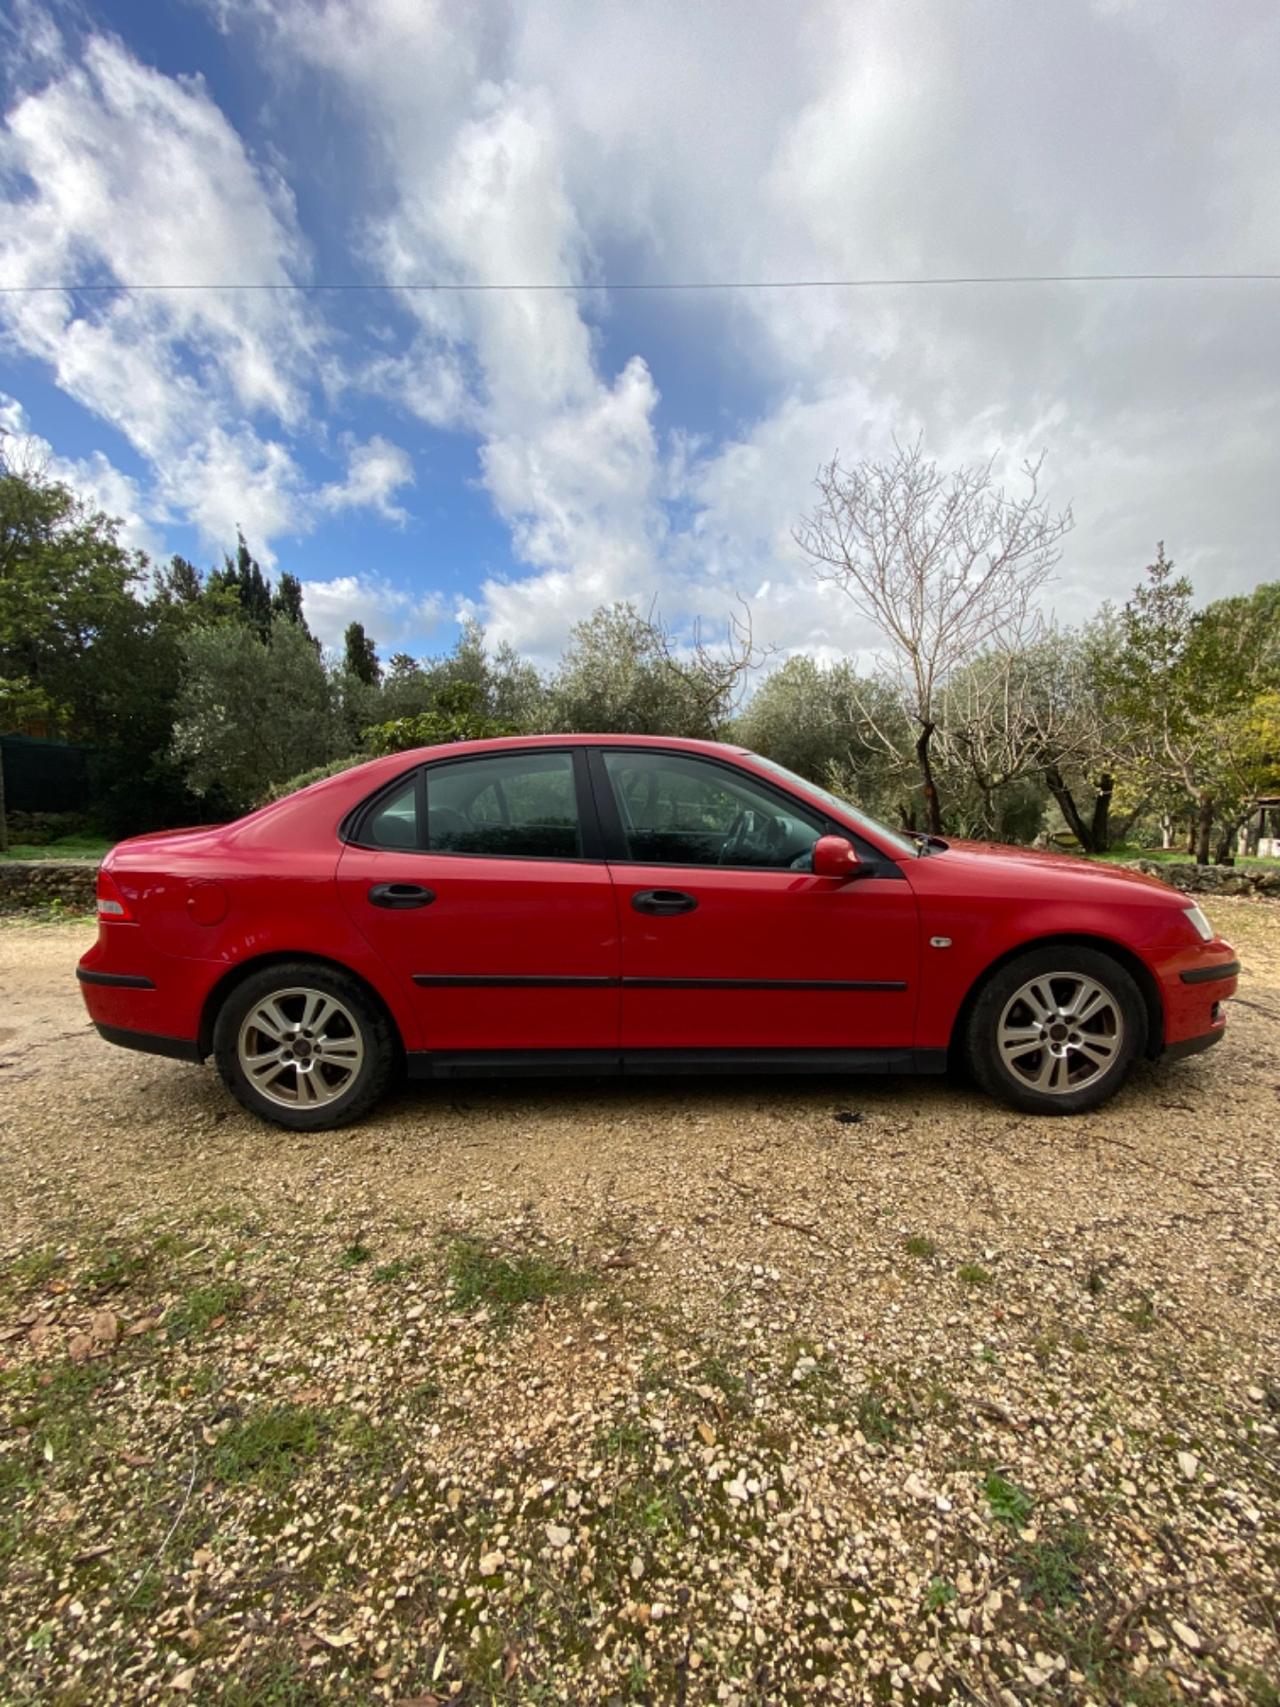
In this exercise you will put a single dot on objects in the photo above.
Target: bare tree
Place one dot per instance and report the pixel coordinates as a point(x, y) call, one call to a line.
point(943, 565)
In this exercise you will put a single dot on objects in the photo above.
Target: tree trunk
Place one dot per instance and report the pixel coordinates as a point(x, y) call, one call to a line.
point(1066, 805)
point(1191, 837)
point(1204, 829)
point(1100, 829)
point(4, 822)
point(907, 813)
point(932, 805)
point(1166, 830)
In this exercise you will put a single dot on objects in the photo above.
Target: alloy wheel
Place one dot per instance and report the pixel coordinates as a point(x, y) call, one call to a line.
point(300, 1048)
point(1060, 1032)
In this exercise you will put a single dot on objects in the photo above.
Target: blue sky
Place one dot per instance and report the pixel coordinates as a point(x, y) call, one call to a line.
point(525, 457)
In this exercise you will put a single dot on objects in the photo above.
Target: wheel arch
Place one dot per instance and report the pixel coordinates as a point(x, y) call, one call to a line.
point(1137, 969)
point(236, 975)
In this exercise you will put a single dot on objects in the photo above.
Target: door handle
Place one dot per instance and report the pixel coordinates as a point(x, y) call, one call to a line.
point(401, 896)
point(663, 902)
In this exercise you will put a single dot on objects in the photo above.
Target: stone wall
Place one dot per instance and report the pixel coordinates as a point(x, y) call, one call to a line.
point(34, 884)
point(1213, 879)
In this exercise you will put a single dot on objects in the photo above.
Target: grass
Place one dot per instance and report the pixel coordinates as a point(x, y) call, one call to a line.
point(356, 1253)
point(1179, 856)
point(204, 1307)
point(481, 1277)
point(973, 1274)
point(270, 1446)
point(66, 847)
point(917, 1245)
point(1051, 1570)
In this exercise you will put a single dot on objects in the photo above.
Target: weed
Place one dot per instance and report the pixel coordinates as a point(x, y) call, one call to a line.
point(387, 1273)
point(1010, 1504)
point(270, 1446)
point(875, 1420)
point(202, 1307)
point(34, 1268)
point(973, 1274)
point(1260, 1690)
point(939, 1593)
point(1094, 1283)
point(1051, 1569)
point(356, 1253)
point(480, 1276)
point(917, 1245)
point(1143, 1313)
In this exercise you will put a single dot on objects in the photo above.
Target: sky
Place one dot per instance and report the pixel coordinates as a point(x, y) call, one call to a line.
point(522, 457)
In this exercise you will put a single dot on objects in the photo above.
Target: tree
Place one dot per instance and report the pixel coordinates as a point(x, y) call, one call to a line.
point(941, 565)
point(458, 713)
point(241, 576)
point(624, 673)
point(250, 715)
point(360, 655)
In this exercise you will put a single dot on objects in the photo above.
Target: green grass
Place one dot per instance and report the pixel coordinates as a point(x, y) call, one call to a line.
point(479, 1276)
point(1051, 1570)
point(66, 847)
point(917, 1245)
point(973, 1274)
point(1177, 856)
point(356, 1253)
point(270, 1446)
point(201, 1307)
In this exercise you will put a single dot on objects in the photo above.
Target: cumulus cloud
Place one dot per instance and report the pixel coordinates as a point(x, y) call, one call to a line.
point(392, 616)
point(572, 142)
point(376, 470)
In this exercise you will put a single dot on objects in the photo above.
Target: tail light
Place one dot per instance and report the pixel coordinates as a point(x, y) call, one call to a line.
point(111, 902)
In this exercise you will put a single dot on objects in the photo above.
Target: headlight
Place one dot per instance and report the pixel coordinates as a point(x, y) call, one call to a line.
point(1196, 919)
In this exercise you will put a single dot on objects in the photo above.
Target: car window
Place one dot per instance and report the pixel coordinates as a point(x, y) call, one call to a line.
point(394, 822)
point(679, 810)
point(517, 804)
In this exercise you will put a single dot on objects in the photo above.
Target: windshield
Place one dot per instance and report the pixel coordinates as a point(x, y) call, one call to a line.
point(898, 843)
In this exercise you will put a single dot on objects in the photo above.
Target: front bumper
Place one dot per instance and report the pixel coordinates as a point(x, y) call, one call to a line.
point(151, 1043)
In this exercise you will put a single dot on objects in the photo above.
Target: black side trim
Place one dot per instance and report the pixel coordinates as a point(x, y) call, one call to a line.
point(760, 984)
point(122, 980)
point(1209, 974)
point(151, 1043)
point(486, 981)
point(613, 1063)
point(1193, 1045)
point(496, 980)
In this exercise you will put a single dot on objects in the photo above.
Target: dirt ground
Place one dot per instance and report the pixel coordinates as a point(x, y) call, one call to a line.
point(724, 1391)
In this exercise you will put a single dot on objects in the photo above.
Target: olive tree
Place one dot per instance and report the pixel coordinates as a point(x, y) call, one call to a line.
point(941, 565)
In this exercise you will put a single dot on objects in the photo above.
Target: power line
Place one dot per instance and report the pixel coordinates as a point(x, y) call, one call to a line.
point(683, 285)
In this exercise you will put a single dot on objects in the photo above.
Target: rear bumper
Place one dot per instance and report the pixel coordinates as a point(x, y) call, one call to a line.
point(151, 1043)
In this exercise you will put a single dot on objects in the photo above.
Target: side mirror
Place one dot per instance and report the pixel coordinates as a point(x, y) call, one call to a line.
point(833, 856)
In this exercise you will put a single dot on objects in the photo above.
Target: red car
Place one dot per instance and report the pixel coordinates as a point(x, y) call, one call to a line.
point(619, 904)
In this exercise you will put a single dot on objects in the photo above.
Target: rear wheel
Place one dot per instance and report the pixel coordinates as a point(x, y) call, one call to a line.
point(1057, 1030)
point(304, 1046)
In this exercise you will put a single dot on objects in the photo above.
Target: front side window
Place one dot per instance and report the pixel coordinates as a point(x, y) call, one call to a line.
point(522, 805)
point(679, 810)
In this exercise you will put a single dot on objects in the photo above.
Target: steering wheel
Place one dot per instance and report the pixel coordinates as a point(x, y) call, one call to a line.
point(750, 831)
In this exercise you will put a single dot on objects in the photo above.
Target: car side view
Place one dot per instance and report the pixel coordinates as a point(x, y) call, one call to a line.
point(617, 904)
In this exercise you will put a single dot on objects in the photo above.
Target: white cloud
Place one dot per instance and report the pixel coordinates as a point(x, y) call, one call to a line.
point(390, 615)
point(376, 470)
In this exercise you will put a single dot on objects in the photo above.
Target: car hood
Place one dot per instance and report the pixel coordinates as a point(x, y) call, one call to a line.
point(1032, 860)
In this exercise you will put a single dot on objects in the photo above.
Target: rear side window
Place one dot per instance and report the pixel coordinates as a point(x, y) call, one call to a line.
point(394, 821)
point(521, 805)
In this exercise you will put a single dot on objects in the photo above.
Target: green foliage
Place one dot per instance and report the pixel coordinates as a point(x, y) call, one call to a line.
point(269, 1447)
point(360, 655)
point(457, 714)
point(1009, 1504)
point(317, 773)
point(249, 715)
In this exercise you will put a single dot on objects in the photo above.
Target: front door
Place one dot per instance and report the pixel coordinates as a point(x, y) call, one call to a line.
point(728, 942)
point(479, 882)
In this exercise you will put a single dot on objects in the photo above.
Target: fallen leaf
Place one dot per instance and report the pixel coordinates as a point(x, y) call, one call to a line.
point(708, 1434)
point(136, 1460)
point(80, 1349)
point(184, 1679)
point(91, 1553)
point(147, 1325)
point(337, 1638)
point(104, 1327)
point(381, 1673)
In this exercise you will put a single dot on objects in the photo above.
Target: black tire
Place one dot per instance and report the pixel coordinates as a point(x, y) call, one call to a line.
point(359, 1025)
point(1119, 1031)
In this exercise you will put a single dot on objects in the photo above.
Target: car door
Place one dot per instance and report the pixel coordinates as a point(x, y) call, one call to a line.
point(727, 943)
point(481, 883)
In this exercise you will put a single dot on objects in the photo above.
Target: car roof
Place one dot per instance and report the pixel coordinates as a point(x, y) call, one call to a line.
point(504, 743)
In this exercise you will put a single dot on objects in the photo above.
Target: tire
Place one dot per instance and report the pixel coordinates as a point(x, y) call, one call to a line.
point(1025, 1046)
point(323, 1048)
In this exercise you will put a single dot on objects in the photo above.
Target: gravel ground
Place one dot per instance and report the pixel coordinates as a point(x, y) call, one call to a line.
point(750, 1392)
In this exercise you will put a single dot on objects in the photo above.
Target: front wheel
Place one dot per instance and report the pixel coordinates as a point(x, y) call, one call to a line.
point(1056, 1030)
point(304, 1046)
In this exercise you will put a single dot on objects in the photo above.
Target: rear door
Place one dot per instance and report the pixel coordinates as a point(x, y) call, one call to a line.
point(727, 941)
point(481, 883)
